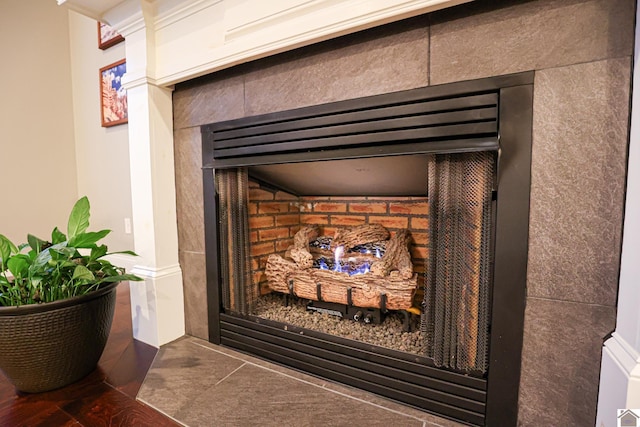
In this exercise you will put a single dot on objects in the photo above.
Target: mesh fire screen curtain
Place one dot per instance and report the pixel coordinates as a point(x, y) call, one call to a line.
point(459, 268)
point(238, 292)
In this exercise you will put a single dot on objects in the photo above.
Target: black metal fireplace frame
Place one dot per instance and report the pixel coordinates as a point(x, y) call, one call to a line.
point(413, 380)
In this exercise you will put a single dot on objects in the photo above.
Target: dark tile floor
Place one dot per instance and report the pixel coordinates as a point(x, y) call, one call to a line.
point(201, 384)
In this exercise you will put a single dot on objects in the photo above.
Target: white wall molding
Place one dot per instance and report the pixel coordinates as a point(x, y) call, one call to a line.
point(156, 273)
point(624, 355)
point(619, 380)
point(130, 81)
point(157, 306)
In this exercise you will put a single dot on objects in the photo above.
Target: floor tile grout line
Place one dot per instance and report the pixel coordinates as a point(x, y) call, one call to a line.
point(231, 373)
point(151, 405)
point(309, 383)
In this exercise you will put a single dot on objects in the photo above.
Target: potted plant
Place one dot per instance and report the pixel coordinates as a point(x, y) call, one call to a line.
point(57, 299)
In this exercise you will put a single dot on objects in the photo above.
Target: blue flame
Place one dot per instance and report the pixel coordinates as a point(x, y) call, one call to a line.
point(349, 266)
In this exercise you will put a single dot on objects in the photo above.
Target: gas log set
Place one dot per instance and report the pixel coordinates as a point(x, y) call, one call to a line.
point(358, 268)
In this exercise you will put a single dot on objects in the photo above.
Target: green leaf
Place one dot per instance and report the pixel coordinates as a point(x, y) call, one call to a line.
point(56, 255)
point(35, 243)
point(82, 272)
point(121, 277)
point(124, 252)
point(8, 246)
point(43, 257)
point(19, 265)
point(62, 252)
point(98, 252)
point(79, 218)
point(88, 239)
point(5, 250)
point(57, 236)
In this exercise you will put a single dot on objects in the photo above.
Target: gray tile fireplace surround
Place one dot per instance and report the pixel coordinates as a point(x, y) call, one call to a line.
point(202, 384)
point(580, 52)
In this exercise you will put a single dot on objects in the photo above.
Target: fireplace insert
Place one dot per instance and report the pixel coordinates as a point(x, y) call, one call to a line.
point(380, 242)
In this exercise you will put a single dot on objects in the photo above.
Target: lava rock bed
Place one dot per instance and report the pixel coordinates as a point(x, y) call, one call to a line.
point(389, 334)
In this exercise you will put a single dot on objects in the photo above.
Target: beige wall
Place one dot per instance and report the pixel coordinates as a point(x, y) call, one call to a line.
point(38, 183)
point(52, 147)
point(102, 154)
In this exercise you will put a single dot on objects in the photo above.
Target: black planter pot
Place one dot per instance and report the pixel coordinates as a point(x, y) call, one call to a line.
point(48, 346)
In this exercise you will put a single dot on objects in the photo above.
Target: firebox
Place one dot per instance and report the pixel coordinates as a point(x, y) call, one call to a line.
point(380, 242)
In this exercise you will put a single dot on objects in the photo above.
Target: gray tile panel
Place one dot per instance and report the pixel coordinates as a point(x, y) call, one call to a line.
point(578, 179)
point(195, 293)
point(219, 99)
point(485, 39)
point(386, 59)
point(561, 362)
point(189, 201)
point(200, 384)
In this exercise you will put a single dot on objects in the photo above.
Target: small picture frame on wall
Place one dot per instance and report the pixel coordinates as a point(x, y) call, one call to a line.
point(107, 36)
point(113, 97)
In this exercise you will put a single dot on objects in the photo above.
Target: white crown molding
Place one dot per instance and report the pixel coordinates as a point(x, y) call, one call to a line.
point(168, 13)
point(127, 17)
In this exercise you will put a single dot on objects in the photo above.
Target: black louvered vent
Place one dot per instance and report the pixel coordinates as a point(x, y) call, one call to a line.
point(392, 123)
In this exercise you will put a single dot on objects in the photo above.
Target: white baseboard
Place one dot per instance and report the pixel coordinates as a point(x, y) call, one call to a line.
point(619, 377)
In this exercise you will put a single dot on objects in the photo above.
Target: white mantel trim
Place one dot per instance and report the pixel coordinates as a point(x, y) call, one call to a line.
point(290, 28)
point(377, 11)
point(129, 81)
point(184, 49)
point(180, 13)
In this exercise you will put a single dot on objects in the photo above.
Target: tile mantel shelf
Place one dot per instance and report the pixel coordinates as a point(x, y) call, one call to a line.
point(197, 37)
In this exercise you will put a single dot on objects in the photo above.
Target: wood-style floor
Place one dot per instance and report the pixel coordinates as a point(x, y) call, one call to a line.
point(106, 397)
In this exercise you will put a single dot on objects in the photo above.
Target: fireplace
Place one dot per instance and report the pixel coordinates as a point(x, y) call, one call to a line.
point(438, 176)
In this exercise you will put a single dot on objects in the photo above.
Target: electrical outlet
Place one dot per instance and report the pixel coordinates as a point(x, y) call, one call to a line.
point(127, 225)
